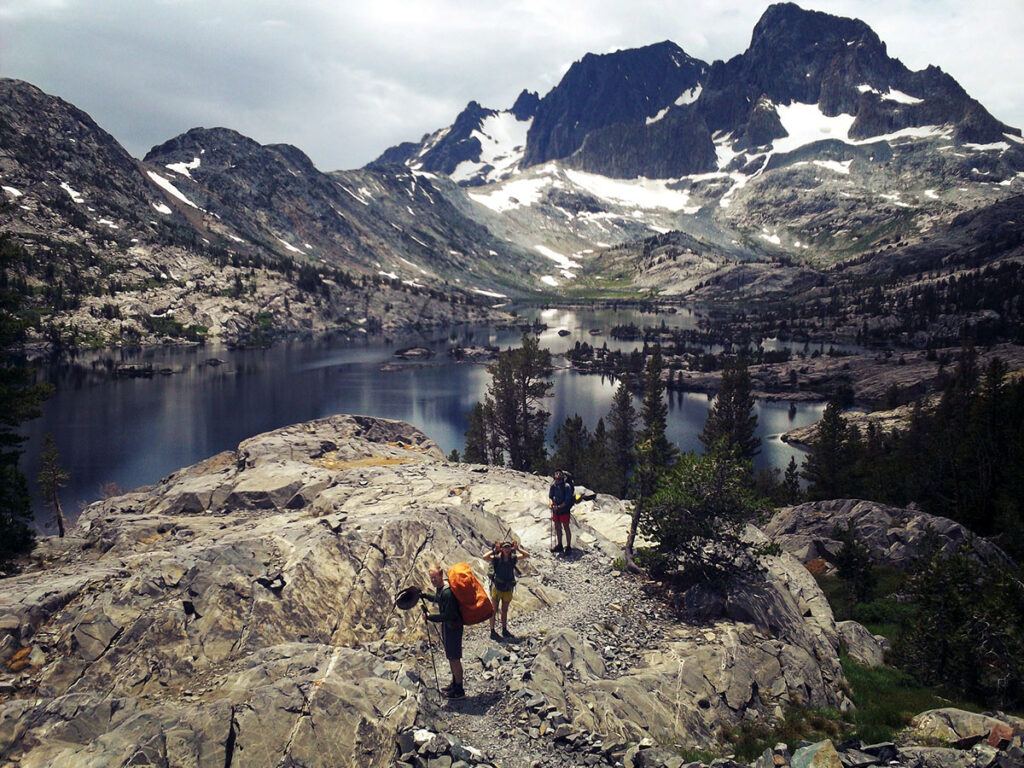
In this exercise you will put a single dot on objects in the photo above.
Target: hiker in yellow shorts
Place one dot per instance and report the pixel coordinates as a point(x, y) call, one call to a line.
point(503, 558)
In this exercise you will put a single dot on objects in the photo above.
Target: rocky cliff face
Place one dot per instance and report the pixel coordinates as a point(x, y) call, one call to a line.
point(242, 608)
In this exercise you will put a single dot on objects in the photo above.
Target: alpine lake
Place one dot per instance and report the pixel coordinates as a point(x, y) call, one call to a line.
point(116, 431)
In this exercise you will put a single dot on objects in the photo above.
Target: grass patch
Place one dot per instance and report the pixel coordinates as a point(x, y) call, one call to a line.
point(750, 740)
point(887, 699)
point(702, 756)
point(884, 615)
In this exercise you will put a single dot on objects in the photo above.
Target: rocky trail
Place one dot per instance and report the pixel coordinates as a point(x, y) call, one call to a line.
point(515, 726)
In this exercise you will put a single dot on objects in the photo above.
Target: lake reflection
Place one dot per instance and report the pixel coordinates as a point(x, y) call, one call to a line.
point(134, 431)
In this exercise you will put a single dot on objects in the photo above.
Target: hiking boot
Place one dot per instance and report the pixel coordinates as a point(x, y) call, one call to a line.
point(507, 635)
point(447, 689)
point(495, 635)
point(567, 551)
point(456, 692)
point(557, 548)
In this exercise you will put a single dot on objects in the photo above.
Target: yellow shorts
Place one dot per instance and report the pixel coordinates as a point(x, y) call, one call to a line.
point(498, 595)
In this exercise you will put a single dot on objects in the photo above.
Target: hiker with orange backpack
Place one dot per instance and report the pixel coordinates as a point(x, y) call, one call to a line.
point(450, 618)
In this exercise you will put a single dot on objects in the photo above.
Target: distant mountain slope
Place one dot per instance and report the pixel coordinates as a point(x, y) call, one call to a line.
point(813, 145)
point(375, 221)
point(217, 236)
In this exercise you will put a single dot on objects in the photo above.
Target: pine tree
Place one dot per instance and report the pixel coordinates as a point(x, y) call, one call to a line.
point(660, 452)
point(520, 380)
point(853, 565)
point(622, 421)
point(19, 401)
point(572, 440)
point(51, 479)
point(790, 490)
point(697, 515)
point(654, 452)
point(829, 463)
point(477, 447)
point(598, 462)
point(731, 422)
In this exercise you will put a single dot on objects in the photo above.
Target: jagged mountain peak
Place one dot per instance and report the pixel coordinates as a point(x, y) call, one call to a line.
point(482, 145)
point(525, 106)
point(601, 90)
point(797, 28)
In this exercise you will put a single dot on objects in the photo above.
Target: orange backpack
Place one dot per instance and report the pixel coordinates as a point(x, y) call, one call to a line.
point(474, 605)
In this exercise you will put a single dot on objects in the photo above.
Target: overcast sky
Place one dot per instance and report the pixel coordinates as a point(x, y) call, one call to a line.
point(344, 80)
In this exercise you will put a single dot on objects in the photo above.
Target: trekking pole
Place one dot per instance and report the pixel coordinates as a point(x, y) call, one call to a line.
point(407, 599)
point(430, 645)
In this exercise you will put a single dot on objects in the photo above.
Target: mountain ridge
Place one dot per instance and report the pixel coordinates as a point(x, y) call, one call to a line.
point(648, 141)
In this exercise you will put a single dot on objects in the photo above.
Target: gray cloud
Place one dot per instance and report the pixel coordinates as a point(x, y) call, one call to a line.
point(345, 80)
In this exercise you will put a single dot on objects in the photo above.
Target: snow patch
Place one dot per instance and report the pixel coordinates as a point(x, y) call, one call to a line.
point(389, 275)
point(514, 194)
point(931, 193)
point(12, 191)
point(502, 141)
point(491, 294)
point(999, 146)
point(167, 186)
point(900, 97)
point(183, 168)
point(806, 124)
point(549, 280)
point(414, 266)
point(690, 96)
point(835, 166)
point(76, 197)
point(289, 246)
point(353, 195)
point(724, 150)
point(657, 117)
point(162, 208)
point(560, 259)
point(109, 223)
point(640, 192)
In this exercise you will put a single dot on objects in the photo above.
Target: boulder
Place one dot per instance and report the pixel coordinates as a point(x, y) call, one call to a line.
point(957, 727)
point(893, 535)
point(820, 755)
point(862, 646)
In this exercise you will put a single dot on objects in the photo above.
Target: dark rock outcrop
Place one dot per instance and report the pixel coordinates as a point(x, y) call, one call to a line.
point(600, 91)
point(893, 535)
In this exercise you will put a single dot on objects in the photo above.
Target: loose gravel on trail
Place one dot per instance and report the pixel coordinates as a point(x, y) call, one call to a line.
point(606, 608)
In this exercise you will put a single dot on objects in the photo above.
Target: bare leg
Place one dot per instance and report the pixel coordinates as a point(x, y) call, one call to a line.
point(456, 665)
point(504, 615)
